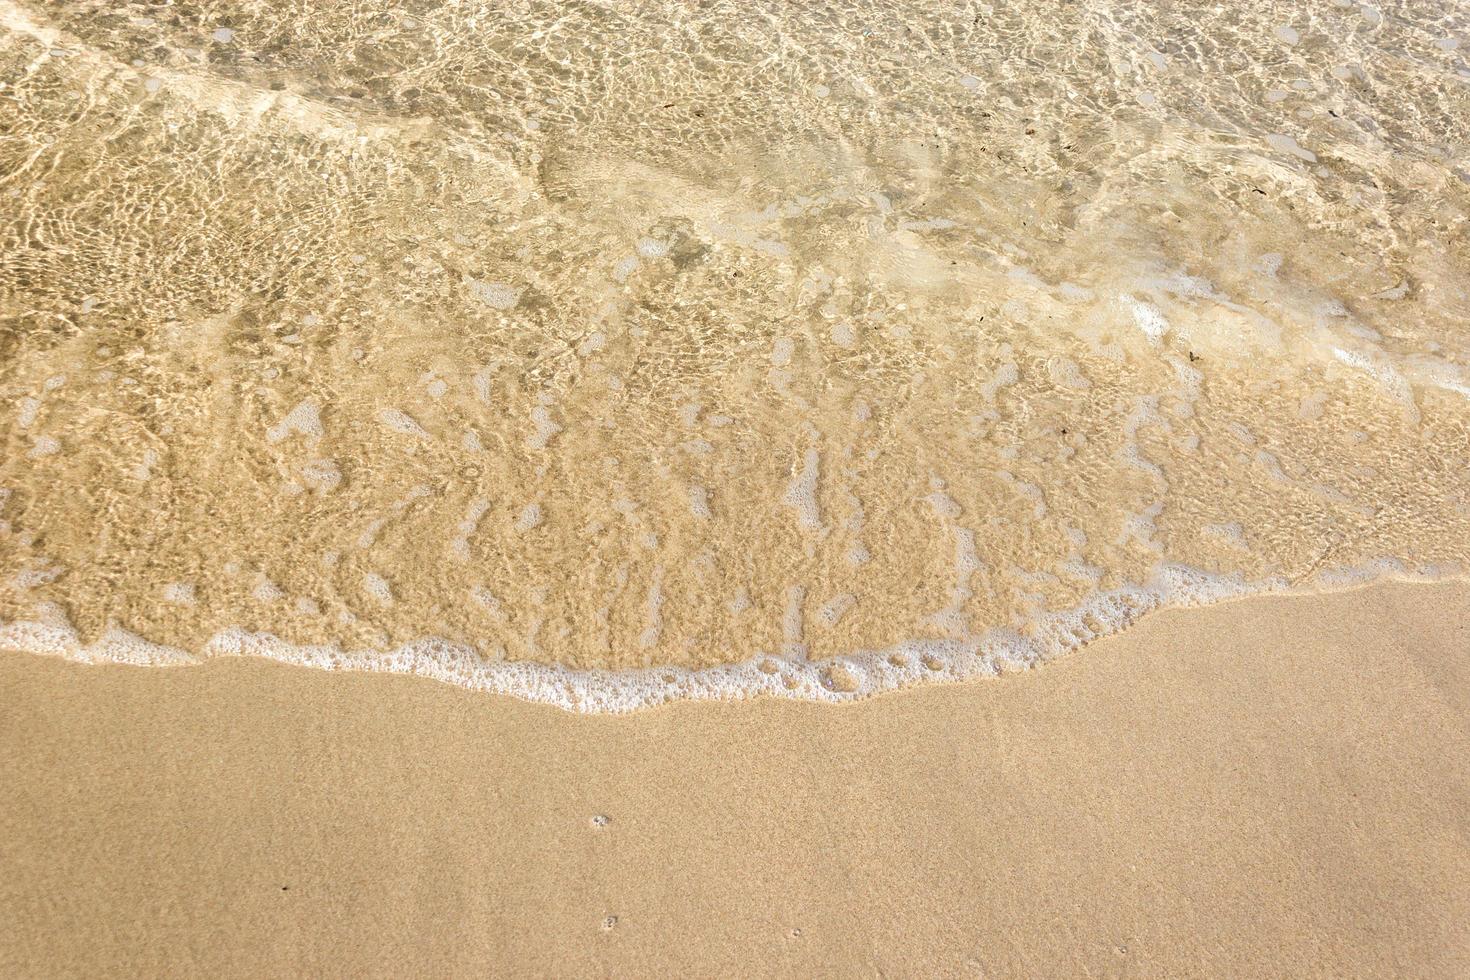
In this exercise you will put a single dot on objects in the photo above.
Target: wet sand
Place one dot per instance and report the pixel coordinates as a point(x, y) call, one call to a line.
point(1272, 787)
point(632, 337)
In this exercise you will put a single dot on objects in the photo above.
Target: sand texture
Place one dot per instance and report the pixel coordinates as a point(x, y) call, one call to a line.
point(641, 336)
point(1272, 787)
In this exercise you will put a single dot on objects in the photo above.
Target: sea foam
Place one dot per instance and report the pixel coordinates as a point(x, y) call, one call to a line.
point(862, 674)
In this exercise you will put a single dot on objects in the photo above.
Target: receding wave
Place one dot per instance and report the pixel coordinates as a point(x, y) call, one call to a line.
point(608, 353)
point(852, 677)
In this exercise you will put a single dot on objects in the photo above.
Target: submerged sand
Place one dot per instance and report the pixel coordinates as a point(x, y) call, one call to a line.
point(621, 335)
point(609, 353)
point(1271, 787)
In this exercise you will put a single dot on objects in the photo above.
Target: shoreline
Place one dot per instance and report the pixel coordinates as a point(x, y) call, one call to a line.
point(849, 678)
point(1272, 786)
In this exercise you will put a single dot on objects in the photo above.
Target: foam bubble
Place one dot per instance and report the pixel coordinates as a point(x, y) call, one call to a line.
point(497, 295)
point(486, 600)
point(529, 517)
point(179, 593)
point(1230, 534)
point(1148, 318)
point(305, 419)
point(44, 446)
point(801, 492)
point(625, 267)
point(1005, 376)
point(653, 611)
point(699, 502)
point(401, 422)
point(1288, 144)
point(652, 248)
point(322, 475)
point(377, 586)
point(792, 644)
point(835, 608)
point(546, 427)
point(601, 691)
point(267, 591)
point(41, 572)
point(1065, 373)
point(943, 504)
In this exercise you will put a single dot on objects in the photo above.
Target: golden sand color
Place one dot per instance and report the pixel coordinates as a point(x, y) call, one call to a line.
point(1270, 788)
point(849, 346)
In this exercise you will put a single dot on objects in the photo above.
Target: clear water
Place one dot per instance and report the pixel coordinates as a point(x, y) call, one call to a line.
point(606, 352)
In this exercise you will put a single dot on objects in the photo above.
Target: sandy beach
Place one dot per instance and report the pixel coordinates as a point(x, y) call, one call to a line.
point(651, 489)
point(1271, 787)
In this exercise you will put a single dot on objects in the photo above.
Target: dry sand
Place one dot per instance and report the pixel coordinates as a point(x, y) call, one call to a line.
point(1274, 787)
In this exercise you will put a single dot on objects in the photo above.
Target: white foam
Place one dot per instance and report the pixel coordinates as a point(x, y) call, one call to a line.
point(1310, 407)
point(835, 608)
point(625, 267)
point(377, 586)
point(1231, 534)
point(529, 517)
point(40, 572)
point(1378, 366)
point(1029, 491)
point(1048, 635)
point(486, 599)
point(546, 427)
point(321, 475)
point(144, 470)
point(305, 419)
point(1148, 318)
point(179, 593)
point(370, 533)
point(497, 295)
point(401, 422)
point(1005, 376)
point(801, 492)
point(652, 248)
point(44, 446)
point(1065, 373)
point(267, 591)
point(1288, 144)
point(943, 504)
point(1142, 527)
point(653, 611)
point(699, 502)
point(793, 646)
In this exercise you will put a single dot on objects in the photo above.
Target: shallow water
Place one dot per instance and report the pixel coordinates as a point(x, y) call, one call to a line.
point(931, 338)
